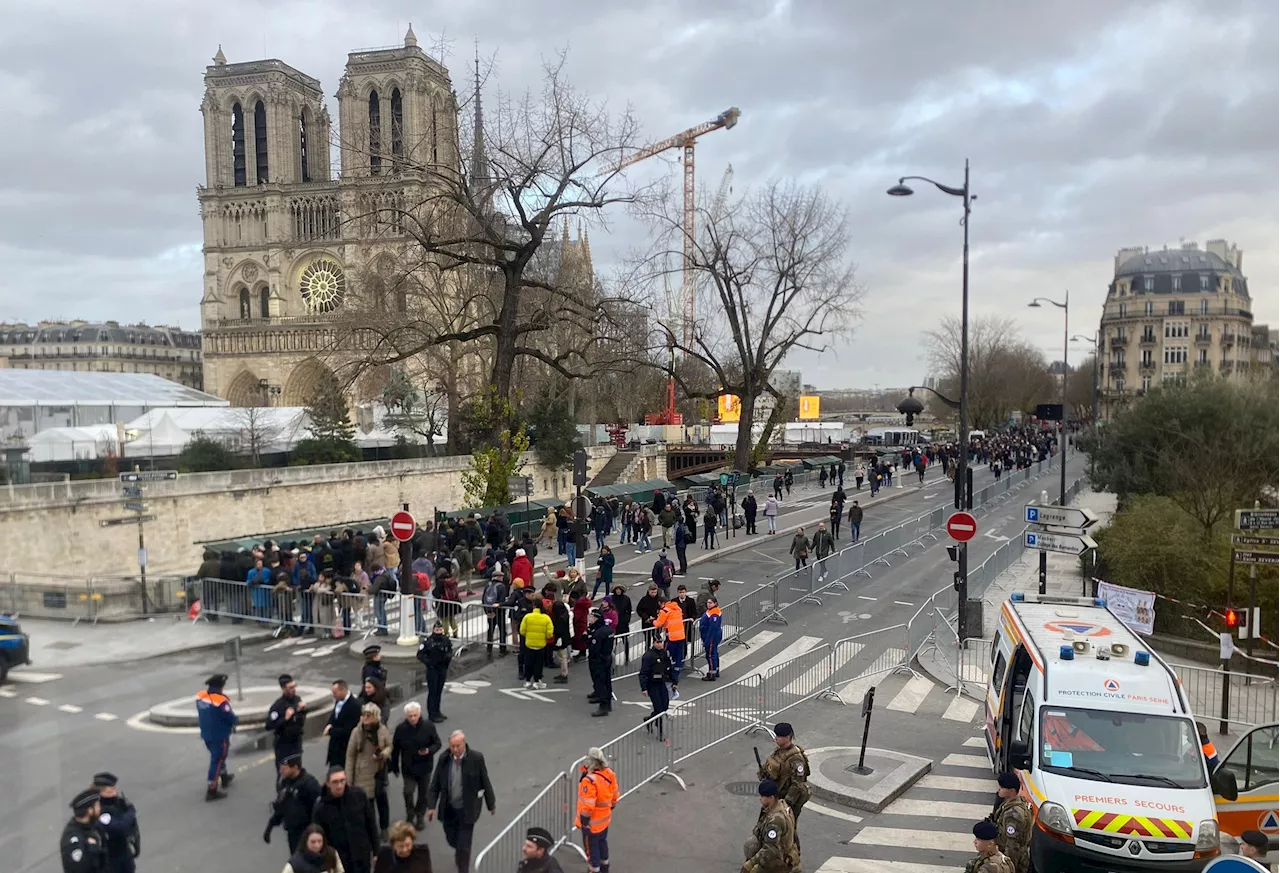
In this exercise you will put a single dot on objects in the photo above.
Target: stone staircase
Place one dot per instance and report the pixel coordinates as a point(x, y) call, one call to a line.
point(615, 469)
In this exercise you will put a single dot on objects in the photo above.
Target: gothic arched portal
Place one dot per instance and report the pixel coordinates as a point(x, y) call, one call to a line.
point(245, 390)
point(303, 382)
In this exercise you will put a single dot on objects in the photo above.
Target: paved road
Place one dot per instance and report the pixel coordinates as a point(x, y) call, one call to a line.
point(59, 729)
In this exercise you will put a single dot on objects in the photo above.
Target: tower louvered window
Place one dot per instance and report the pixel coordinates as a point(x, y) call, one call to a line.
point(260, 141)
point(375, 134)
point(304, 169)
point(397, 129)
point(237, 146)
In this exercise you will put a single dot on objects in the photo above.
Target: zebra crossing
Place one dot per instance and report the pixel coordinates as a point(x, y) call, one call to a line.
point(929, 828)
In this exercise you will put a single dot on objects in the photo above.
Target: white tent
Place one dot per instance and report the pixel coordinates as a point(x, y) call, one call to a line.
point(86, 443)
point(273, 428)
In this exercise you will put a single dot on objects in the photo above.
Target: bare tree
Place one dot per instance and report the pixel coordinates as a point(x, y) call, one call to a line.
point(257, 431)
point(1080, 390)
point(1006, 373)
point(414, 409)
point(772, 275)
point(472, 280)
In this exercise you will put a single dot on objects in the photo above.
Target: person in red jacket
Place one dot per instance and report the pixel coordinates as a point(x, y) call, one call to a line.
point(521, 567)
point(581, 614)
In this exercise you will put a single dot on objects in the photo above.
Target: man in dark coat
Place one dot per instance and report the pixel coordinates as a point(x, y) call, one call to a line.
point(459, 779)
point(118, 821)
point(600, 662)
point(435, 653)
point(413, 749)
point(348, 820)
point(342, 721)
point(286, 719)
point(296, 794)
point(749, 509)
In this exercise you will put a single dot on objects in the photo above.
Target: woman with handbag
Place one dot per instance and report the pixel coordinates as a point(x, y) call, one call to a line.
point(800, 548)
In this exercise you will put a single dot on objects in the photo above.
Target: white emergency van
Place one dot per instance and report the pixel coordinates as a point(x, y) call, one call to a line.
point(1100, 733)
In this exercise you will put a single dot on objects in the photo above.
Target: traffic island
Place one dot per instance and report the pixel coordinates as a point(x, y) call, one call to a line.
point(885, 776)
point(251, 708)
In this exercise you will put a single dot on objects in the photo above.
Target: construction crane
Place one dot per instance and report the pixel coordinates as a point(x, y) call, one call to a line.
point(685, 141)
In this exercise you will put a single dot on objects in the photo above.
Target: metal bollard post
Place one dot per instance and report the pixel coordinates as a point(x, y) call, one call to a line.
point(867, 703)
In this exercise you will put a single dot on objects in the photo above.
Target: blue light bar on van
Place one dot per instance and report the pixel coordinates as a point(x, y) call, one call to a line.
point(1142, 659)
point(1017, 597)
point(1099, 601)
point(1066, 653)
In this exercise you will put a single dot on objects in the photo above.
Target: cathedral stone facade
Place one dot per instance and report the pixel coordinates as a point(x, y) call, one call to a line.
point(288, 247)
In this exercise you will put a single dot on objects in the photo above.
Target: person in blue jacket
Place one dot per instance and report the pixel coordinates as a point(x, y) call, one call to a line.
point(217, 723)
point(711, 629)
point(118, 819)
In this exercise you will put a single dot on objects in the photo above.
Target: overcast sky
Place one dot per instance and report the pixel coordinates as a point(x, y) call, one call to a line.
point(1090, 124)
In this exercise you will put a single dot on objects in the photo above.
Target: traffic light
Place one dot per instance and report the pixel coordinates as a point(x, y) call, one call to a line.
point(953, 553)
point(1232, 618)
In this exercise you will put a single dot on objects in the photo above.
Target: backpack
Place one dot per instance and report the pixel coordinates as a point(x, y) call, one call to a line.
point(666, 572)
point(490, 596)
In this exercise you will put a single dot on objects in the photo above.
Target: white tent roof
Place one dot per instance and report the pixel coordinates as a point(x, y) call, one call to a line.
point(59, 388)
point(72, 443)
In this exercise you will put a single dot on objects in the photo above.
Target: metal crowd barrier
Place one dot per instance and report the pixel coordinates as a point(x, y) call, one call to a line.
point(1251, 699)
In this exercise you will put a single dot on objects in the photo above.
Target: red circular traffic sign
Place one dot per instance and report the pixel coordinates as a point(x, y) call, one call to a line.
point(962, 527)
point(403, 526)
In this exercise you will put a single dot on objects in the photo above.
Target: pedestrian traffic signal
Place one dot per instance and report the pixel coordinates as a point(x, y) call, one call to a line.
point(1232, 618)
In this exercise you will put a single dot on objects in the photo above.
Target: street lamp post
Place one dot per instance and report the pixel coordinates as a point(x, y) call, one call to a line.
point(1065, 306)
point(964, 496)
point(1096, 342)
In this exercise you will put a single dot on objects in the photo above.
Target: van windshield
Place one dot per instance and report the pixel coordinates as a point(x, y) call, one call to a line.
point(1121, 747)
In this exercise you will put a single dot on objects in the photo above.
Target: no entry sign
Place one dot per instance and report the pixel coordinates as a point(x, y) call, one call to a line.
point(962, 527)
point(403, 526)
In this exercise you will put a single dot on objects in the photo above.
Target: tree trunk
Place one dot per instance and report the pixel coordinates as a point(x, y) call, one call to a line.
point(742, 451)
point(504, 359)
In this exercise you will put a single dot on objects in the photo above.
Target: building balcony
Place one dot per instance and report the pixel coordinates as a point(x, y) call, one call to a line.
point(1147, 365)
point(1116, 367)
point(1203, 338)
point(1147, 339)
point(312, 319)
point(1229, 339)
point(1119, 342)
point(1228, 366)
point(1203, 364)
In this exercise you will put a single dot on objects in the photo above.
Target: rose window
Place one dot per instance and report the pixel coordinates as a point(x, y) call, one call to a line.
point(323, 286)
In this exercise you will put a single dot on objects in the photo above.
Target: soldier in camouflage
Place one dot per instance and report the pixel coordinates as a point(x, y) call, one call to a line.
point(772, 847)
point(1013, 818)
point(990, 859)
point(789, 767)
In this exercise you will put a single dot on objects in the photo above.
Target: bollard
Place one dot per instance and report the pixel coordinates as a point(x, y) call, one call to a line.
point(408, 634)
point(867, 702)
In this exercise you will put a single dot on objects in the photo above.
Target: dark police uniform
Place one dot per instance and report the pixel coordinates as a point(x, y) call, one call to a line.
point(655, 673)
point(81, 845)
point(295, 800)
point(287, 728)
point(600, 663)
point(118, 821)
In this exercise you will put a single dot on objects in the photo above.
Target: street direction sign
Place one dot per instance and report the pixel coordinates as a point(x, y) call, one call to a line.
point(962, 526)
point(135, 507)
point(1060, 516)
point(149, 476)
point(1067, 544)
point(403, 526)
point(1246, 540)
point(130, 519)
point(520, 486)
point(1257, 519)
point(132, 492)
point(1270, 559)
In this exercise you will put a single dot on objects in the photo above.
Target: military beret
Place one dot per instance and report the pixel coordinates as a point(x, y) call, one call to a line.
point(85, 799)
point(540, 837)
point(985, 830)
point(1257, 839)
point(284, 679)
point(104, 780)
point(1008, 780)
point(768, 788)
point(370, 651)
point(783, 729)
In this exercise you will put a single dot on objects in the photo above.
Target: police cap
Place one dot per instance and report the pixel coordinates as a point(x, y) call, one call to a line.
point(783, 729)
point(85, 799)
point(1008, 780)
point(986, 830)
point(370, 651)
point(295, 758)
point(284, 679)
point(217, 680)
point(104, 780)
point(540, 837)
point(768, 788)
point(1257, 839)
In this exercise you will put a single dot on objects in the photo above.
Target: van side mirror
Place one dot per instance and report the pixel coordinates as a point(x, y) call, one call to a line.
point(1019, 755)
point(1224, 784)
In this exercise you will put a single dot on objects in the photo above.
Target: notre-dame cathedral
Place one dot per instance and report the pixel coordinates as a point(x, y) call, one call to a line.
point(286, 245)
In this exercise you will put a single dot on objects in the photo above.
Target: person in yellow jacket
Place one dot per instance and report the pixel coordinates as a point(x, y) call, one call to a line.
point(597, 796)
point(671, 621)
point(536, 633)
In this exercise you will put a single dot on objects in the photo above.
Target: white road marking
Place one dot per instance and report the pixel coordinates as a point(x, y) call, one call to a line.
point(902, 603)
point(36, 701)
point(28, 677)
point(864, 865)
point(856, 688)
point(865, 597)
point(298, 652)
point(756, 641)
point(735, 581)
point(106, 716)
point(807, 683)
point(835, 813)
point(282, 644)
point(962, 709)
point(956, 783)
point(975, 743)
point(67, 707)
point(799, 647)
point(911, 696)
point(8, 692)
point(938, 808)
point(978, 761)
point(142, 722)
point(916, 839)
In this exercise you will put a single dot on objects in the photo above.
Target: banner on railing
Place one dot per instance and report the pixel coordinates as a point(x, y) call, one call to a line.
point(1134, 607)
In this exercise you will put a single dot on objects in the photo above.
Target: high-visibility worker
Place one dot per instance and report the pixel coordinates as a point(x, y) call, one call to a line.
point(597, 796)
point(1206, 747)
point(217, 723)
point(670, 620)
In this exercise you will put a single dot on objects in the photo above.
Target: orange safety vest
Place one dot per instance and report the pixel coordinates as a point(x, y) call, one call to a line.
point(671, 619)
point(597, 796)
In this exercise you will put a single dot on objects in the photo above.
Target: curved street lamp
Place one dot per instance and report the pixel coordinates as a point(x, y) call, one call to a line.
point(1065, 306)
point(962, 466)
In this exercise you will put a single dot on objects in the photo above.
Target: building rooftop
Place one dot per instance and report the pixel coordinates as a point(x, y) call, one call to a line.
point(60, 388)
point(97, 332)
point(1174, 261)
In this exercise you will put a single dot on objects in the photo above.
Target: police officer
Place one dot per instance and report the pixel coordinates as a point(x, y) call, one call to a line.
point(118, 821)
point(83, 848)
point(286, 719)
point(788, 766)
point(435, 653)
point(655, 673)
point(373, 668)
point(1253, 844)
point(772, 847)
point(600, 663)
point(296, 794)
point(990, 859)
point(217, 723)
point(1013, 818)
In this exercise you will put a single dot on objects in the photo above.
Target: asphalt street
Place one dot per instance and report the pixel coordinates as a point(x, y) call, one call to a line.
point(59, 729)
